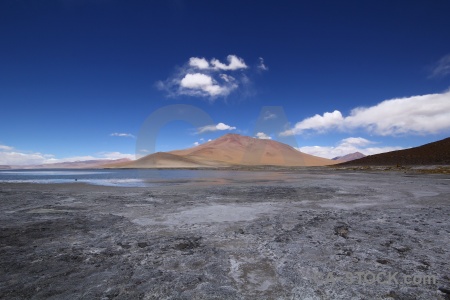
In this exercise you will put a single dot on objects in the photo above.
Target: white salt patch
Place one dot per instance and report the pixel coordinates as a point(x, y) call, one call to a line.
point(346, 205)
point(211, 214)
point(424, 193)
point(257, 278)
point(139, 205)
point(234, 270)
point(47, 211)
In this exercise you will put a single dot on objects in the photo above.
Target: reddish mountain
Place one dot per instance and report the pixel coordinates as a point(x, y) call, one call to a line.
point(230, 150)
point(158, 160)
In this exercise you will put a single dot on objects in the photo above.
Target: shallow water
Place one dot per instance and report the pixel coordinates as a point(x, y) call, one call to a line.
point(127, 178)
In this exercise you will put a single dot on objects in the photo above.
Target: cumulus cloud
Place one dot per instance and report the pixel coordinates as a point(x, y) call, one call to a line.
point(204, 78)
point(222, 126)
point(204, 85)
point(122, 134)
point(347, 146)
point(219, 126)
point(263, 136)
point(196, 143)
point(199, 63)
point(13, 157)
point(426, 114)
point(441, 68)
point(234, 63)
point(317, 122)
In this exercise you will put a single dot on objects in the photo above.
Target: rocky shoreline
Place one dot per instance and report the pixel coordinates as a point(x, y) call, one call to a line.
point(317, 234)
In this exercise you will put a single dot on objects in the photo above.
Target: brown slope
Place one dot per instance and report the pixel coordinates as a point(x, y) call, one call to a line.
point(436, 153)
point(159, 160)
point(235, 149)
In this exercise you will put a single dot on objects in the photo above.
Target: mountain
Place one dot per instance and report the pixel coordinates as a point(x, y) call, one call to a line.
point(235, 149)
point(84, 164)
point(159, 160)
point(436, 153)
point(349, 157)
point(229, 150)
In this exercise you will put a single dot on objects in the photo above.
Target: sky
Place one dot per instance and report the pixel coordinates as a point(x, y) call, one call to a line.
point(85, 79)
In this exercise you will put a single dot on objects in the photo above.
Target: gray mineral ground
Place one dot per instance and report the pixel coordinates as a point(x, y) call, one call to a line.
point(290, 235)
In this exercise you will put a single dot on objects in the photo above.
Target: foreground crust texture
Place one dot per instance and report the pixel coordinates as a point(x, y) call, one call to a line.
point(273, 239)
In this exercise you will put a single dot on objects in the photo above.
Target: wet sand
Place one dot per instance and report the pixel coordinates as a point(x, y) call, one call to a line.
point(279, 236)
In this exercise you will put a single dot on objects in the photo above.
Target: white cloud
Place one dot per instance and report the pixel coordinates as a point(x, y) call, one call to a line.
point(122, 134)
point(11, 156)
point(196, 143)
point(442, 67)
point(263, 136)
point(202, 84)
point(261, 65)
point(234, 63)
point(5, 148)
point(425, 114)
point(347, 146)
point(219, 126)
point(356, 141)
point(207, 79)
point(222, 126)
point(317, 122)
point(199, 63)
point(19, 158)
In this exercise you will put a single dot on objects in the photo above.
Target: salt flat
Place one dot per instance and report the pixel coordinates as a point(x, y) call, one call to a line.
point(277, 238)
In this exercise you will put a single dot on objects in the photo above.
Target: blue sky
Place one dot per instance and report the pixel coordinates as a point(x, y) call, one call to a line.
point(79, 78)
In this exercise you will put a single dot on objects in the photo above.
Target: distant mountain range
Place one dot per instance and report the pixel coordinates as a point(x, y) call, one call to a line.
point(436, 153)
point(229, 150)
point(349, 157)
point(86, 164)
point(237, 150)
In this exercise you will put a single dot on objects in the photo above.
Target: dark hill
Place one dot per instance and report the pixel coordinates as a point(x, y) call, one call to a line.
point(436, 153)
